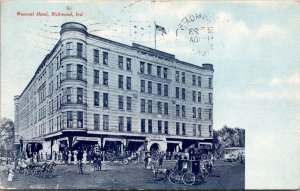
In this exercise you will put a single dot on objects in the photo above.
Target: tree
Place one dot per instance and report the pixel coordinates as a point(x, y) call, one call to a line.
point(6, 135)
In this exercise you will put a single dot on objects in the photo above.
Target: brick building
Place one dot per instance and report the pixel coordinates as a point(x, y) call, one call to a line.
point(91, 90)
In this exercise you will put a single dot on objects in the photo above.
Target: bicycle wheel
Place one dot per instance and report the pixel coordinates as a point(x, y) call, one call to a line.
point(174, 178)
point(188, 178)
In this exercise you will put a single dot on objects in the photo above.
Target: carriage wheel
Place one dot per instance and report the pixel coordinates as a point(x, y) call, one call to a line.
point(174, 177)
point(204, 157)
point(188, 178)
point(125, 161)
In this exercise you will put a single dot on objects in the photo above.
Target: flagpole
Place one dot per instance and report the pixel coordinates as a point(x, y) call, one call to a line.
point(154, 35)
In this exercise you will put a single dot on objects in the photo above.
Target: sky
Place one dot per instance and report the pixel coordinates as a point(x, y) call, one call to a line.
point(254, 50)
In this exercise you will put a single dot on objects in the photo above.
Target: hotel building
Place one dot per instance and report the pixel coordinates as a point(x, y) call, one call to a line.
point(91, 90)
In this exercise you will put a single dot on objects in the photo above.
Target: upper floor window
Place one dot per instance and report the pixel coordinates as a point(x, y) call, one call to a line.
point(183, 93)
point(183, 129)
point(199, 96)
point(158, 71)
point(69, 48)
point(96, 122)
point(210, 82)
point(166, 127)
point(199, 81)
point(165, 73)
point(105, 78)
point(194, 80)
point(79, 72)
point(128, 83)
point(199, 113)
point(149, 87)
point(166, 90)
point(177, 92)
point(210, 130)
point(69, 71)
point(159, 107)
point(69, 93)
point(79, 95)
point(142, 85)
point(105, 58)
point(166, 108)
point(194, 129)
point(121, 62)
point(128, 64)
point(79, 49)
point(142, 105)
point(121, 102)
point(177, 110)
point(143, 125)
point(177, 76)
point(158, 89)
point(199, 130)
point(194, 112)
point(177, 128)
point(142, 67)
point(105, 122)
point(129, 123)
point(183, 111)
point(121, 123)
point(149, 125)
point(96, 76)
point(79, 119)
point(120, 82)
point(210, 97)
point(159, 127)
point(183, 77)
point(149, 68)
point(96, 98)
point(69, 119)
point(96, 56)
point(105, 100)
point(210, 114)
point(128, 99)
point(149, 106)
point(194, 95)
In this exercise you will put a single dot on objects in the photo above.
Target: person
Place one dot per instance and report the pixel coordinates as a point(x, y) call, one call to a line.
point(95, 163)
point(146, 160)
point(99, 158)
point(80, 164)
point(34, 157)
point(69, 157)
point(161, 159)
point(10, 175)
point(84, 157)
point(75, 157)
point(186, 154)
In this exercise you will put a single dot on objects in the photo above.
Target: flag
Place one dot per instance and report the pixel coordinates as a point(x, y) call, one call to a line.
point(161, 29)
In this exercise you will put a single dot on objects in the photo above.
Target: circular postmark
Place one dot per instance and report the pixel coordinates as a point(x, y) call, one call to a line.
point(198, 30)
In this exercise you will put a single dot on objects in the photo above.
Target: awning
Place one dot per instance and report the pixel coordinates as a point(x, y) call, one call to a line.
point(174, 142)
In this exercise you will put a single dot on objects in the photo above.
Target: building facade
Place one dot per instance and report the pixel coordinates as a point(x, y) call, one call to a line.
point(92, 90)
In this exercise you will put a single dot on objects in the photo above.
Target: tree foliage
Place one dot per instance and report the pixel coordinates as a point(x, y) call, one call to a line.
point(6, 134)
point(228, 137)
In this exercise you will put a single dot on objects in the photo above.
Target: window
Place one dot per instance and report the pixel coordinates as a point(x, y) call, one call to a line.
point(159, 127)
point(194, 112)
point(177, 92)
point(96, 76)
point(105, 122)
point(165, 73)
point(105, 58)
point(199, 113)
point(142, 105)
point(149, 106)
point(177, 110)
point(105, 78)
point(79, 95)
point(194, 80)
point(142, 85)
point(142, 67)
point(105, 100)
point(209, 82)
point(129, 122)
point(79, 49)
point(69, 48)
point(128, 101)
point(69, 94)
point(177, 128)
point(194, 129)
point(159, 107)
point(199, 96)
point(96, 122)
point(199, 81)
point(69, 119)
point(69, 71)
point(183, 93)
point(96, 56)
point(177, 76)
point(210, 114)
point(166, 127)
point(166, 108)
point(79, 72)
point(199, 130)
point(121, 62)
point(158, 71)
point(183, 111)
point(149, 87)
point(96, 98)
point(183, 77)
point(194, 95)
point(121, 123)
point(210, 131)
point(121, 102)
point(143, 125)
point(149, 125)
point(128, 83)
point(210, 97)
point(79, 119)
point(57, 82)
point(149, 68)
point(128, 64)
point(183, 129)
point(120, 82)
point(166, 90)
point(158, 89)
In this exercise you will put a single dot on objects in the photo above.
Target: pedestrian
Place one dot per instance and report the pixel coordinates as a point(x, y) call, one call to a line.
point(69, 157)
point(99, 162)
point(75, 157)
point(10, 175)
point(146, 160)
point(161, 159)
point(80, 164)
point(84, 157)
point(95, 163)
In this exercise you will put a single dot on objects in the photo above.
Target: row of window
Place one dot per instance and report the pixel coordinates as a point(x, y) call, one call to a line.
point(159, 107)
point(150, 126)
point(196, 80)
point(159, 88)
point(104, 58)
point(70, 119)
point(159, 70)
point(69, 47)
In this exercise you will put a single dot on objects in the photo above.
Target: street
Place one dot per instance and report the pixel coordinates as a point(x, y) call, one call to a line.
point(225, 176)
